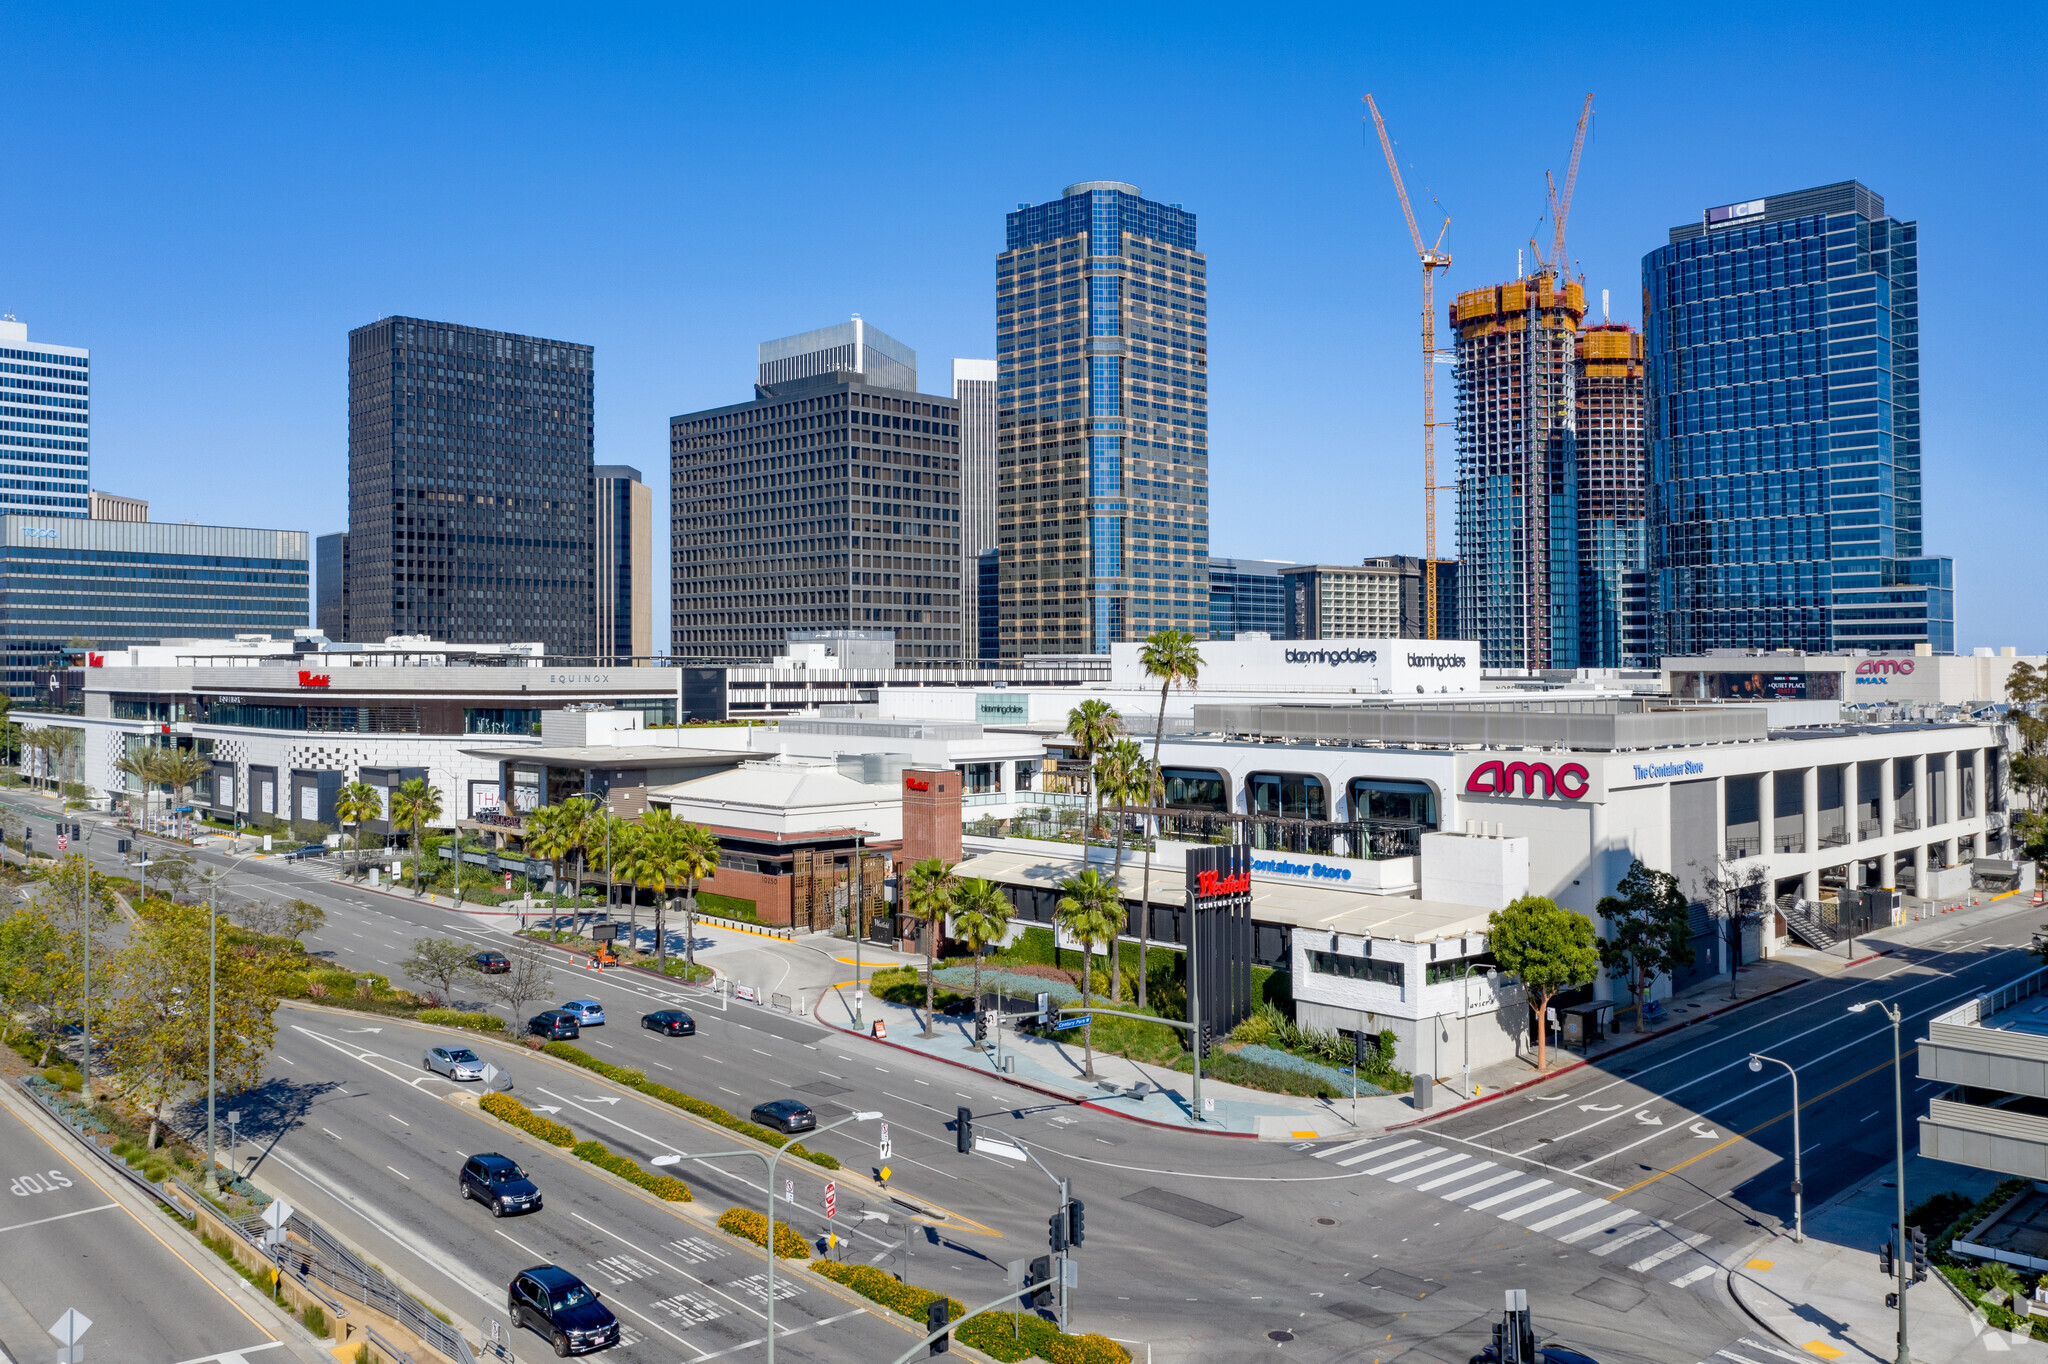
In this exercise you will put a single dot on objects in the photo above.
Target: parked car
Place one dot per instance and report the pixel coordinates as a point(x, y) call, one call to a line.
point(560, 1306)
point(498, 1183)
point(457, 1063)
point(554, 1024)
point(785, 1116)
point(491, 963)
point(673, 1022)
point(588, 1012)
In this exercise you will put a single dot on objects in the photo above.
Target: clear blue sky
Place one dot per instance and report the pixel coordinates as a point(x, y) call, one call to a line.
point(210, 199)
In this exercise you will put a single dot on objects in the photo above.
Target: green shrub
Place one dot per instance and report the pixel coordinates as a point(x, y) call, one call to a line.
point(749, 1225)
point(661, 1186)
point(677, 1099)
point(507, 1109)
point(1008, 1336)
point(463, 1018)
point(904, 1299)
point(315, 1321)
point(727, 906)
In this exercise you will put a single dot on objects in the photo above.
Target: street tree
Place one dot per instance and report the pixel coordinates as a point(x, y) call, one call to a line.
point(582, 817)
point(157, 1029)
point(550, 836)
point(981, 917)
point(1171, 658)
point(527, 983)
point(655, 862)
point(414, 805)
point(439, 962)
point(1548, 948)
point(2026, 691)
point(1649, 931)
point(1093, 726)
point(181, 769)
point(355, 805)
point(1122, 776)
point(697, 857)
point(39, 978)
point(1091, 910)
point(1735, 892)
point(928, 899)
point(293, 918)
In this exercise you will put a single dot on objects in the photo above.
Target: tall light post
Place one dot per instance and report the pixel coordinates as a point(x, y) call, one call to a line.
point(768, 1186)
point(85, 920)
point(1756, 1064)
point(213, 885)
point(1903, 1255)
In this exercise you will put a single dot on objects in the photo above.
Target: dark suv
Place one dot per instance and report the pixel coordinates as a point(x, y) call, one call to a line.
point(562, 1307)
point(786, 1116)
point(554, 1024)
point(498, 1183)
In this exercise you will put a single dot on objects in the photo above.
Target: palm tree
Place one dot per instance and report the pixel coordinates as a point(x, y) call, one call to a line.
point(1171, 657)
point(356, 803)
point(1093, 726)
point(928, 898)
point(1088, 909)
point(549, 835)
point(139, 763)
point(625, 850)
point(579, 818)
point(1122, 776)
point(414, 805)
point(699, 859)
point(981, 916)
point(182, 769)
point(604, 840)
point(655, 863)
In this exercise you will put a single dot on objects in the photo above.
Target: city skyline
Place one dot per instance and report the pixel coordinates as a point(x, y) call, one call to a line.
point(1326, 338)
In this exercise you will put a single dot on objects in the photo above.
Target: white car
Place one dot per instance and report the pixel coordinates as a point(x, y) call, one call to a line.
point(457, 1063)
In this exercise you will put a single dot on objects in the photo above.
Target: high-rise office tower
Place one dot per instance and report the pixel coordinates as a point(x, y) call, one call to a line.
point(974, 389)
point(330, 585)
point(45, 424)
point(1614, 626)
point(625, 564)
point(114, 507)
point(830, 501)
point(988, 633)
point(1517, 520)
point(1247, 595)
point(469, 486)
point(1102, 440)
point(1782, 352)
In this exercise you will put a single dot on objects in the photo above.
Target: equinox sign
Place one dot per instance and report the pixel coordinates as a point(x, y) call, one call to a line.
point(1496, 778)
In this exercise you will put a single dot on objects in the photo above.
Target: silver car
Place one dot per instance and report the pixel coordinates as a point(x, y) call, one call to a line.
point(457, 1063)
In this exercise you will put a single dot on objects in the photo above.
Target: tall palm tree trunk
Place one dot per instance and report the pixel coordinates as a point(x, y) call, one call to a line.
point(690, 932)
point(1088, 1028)
point(661, 930)
point(1145, 895)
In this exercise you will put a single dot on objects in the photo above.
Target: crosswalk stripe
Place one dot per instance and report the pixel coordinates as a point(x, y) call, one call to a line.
point(1456, 1195)
point(1531, 1187)
point(1594, 1228)
point(1329, 1151)
point(1458, 1159)
point(1454, 1176)
point(1687, 1280)
point(1769, 1350)
point(1424, 1154)
point(1516, 1214)
point(1547, 1223)
point(1670, 1252)
point(1636, 1235)
point(1386, 1150)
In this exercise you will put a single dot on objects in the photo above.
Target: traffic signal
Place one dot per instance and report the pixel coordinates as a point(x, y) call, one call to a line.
point(935, 1317)
point(1040, 1283)
point(1074, 1225)
point(963, 1129)
point(1891, 1300)
point(1358, 1051)
point(1207, 1040)
point(1056, 1231)
point(1884, 1259)
point(980, 1027)
point(1919, 1254)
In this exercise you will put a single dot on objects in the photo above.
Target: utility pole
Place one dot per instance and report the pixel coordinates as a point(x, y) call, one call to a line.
point(1901, 1262)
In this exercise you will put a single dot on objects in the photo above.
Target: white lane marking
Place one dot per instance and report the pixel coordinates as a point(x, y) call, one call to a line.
point(1459, 1158)
point(1670, 1252)
point(1454, 1176)
point(1531, 1187)
point(521, 1244)
point(1596, 1227)
point(1513, 1213)
point(1687, 1280)
point(400, 1173)
point(1470, 1189)
point(1424, 1154)
point(400, 1121)
point(60, 1217)
point(1329, 1151)
point(1638, 1234)
point(788, 1331)
point(666, 1265)
point(236, 1356)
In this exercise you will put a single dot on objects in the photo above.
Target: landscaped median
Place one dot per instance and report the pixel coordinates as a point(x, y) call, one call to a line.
point(635, 1079)
point(749, 1225)
point(507, 1109)
point(1008, 1336)
point(462, 1018)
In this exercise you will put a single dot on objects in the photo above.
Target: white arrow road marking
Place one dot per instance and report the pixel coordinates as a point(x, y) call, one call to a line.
point(608, 1099)
point(1548, 1098)
point(1647, 1120)
point(547, 1108)
point(1598, 1108)
point(1703, 1131)
point(356, 1030)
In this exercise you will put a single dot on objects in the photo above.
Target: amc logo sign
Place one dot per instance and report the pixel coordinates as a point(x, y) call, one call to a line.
point(307, 679)
point(1497, 778)
point(1885, 667)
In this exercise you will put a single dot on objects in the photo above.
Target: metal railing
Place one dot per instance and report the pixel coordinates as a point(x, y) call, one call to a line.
point(1905, 822)
point(1365, 839)
point(1867, 829)
point(318, 1255)
point(1834, 834)
point(1743, 845)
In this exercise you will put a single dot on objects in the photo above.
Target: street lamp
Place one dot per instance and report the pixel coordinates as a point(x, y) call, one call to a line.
point(1903, 1256)
point(213, 886)
point(1756, 1064)
point(768, 1187)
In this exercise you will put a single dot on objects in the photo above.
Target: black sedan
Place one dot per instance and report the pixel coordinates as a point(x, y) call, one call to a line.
point(786, 1116)
point(561, 1307)
point(491, 963)
point(673, 1022)
point(554, 1024)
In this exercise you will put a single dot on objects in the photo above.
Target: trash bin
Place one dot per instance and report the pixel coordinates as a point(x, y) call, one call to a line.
point(1425, 1092)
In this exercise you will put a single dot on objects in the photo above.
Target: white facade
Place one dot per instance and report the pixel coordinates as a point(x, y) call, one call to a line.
point(1852, 678)
point(46, 439)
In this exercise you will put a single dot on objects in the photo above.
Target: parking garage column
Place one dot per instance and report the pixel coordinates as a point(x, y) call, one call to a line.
point(1810, 823)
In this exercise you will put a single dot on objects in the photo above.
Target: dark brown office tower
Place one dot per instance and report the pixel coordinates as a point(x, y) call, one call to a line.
point(469, 498)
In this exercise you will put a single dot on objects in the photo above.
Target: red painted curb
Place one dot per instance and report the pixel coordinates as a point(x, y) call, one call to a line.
point(1035, 1089)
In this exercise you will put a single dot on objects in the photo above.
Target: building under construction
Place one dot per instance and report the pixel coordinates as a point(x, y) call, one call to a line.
point(1550, 479)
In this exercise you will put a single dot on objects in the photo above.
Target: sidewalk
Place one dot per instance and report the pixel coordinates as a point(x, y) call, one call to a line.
point(1826, 1297)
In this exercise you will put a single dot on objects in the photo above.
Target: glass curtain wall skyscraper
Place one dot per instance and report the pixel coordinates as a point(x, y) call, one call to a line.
point(1102, 439)
point(45, 424)
point(1783, 411)
point(1614, 628)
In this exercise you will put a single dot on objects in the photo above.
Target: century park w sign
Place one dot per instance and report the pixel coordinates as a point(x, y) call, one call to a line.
point(1219, 881)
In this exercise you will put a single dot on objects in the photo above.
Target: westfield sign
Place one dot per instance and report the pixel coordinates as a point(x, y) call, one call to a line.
point(1497, 778)
point(1209, 884)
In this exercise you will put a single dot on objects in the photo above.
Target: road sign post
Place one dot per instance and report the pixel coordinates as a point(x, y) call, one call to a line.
point(72, 1325)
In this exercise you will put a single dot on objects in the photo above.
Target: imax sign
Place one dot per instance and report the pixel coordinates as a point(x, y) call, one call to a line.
point(1878, 672)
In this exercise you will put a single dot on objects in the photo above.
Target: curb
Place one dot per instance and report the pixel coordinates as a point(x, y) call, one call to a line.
point(1075, 1100)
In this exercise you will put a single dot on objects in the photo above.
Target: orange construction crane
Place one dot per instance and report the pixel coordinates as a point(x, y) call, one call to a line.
point(1561, 203)
point(1434, 258)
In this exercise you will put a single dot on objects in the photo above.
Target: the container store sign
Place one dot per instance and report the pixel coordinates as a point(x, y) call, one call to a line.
point(1527, 779)
point(1001, 708)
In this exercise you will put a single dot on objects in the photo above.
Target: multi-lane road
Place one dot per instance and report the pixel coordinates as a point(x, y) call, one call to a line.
point(1614, 1194)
